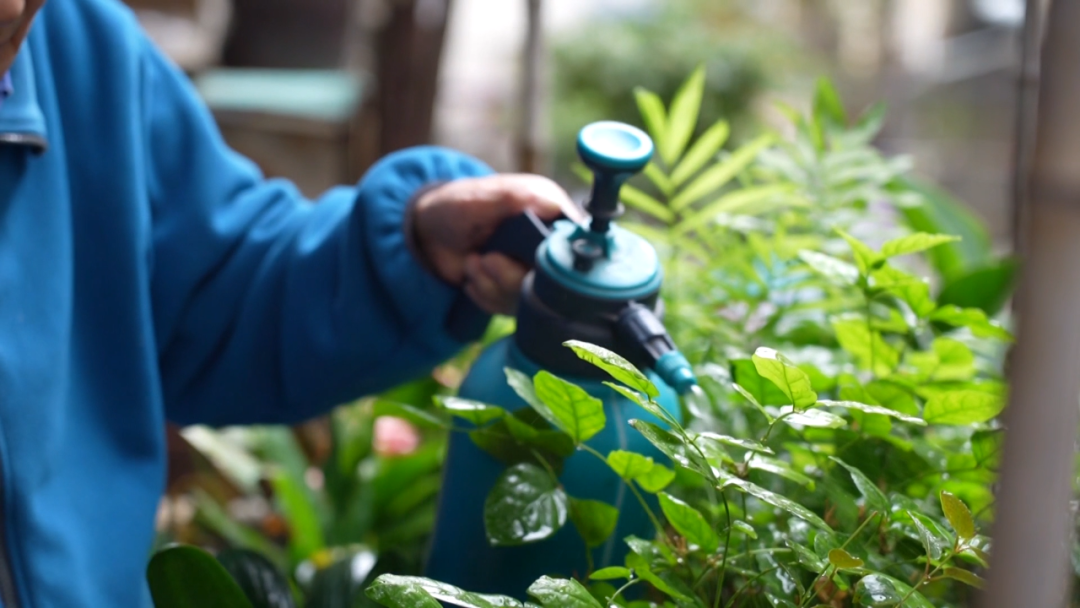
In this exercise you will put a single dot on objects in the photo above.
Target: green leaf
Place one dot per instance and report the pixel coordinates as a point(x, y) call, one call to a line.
point(972, 318)
point(569, 407)
point(844, 560)
point(964, 576)
point(745, 528)
point(659, 179)
point(704, 149)
point(721, 173)
point(526, 505)
point(683, 116)
point(875, 499)
point(955, 360)
point(523, 386)
point(183, 576)
point(986, 447)
point(986, 288)
point(777, 501)
point(866, 259)
point(396, 591)
point(873, 409)
point(880, 591)
point(806, 557)
point(827, 104)
point(595, 521)
point(619, 368)
point(610, 573)
point(629, 465)
point(833, 269)
point(757, 462)
point(644, 203)
point(914, 243)
point(958, 515)
point(656, 479)
point(934, 544)
point(962, 407)
point(868, 125)
point(755, 387)
point(912, 290)
point(669, 444)
point(737, 202)
point(668, 586)
point(263, 584)
point(473, 411)
point(648, 405)
point(746, 444)
point(562, 593)
point(343, 582)
point(869, 348)
point(653, 114)
point(305, 530)
point(689, 523)
point(787, 376)
point(415, 415)
point(812, 418)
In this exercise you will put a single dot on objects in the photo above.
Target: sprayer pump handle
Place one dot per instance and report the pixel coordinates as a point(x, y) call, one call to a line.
point(518, 238)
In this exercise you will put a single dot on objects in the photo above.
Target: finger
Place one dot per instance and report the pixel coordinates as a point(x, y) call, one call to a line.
point(545, 197)
point(482, 288)
point(506, 273)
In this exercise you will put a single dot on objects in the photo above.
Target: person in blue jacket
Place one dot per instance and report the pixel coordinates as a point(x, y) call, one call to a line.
point(148, 273)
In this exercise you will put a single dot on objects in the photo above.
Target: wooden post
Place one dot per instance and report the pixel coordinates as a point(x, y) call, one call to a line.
point(1030, 557)
point(530, 137)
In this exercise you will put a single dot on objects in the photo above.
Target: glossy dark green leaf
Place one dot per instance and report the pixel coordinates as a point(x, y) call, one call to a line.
point(774, 466)
point(962, 407)
point(876, 410)
point(670, 444)
point(745, 528)
point(341, 584)
point(958, 514)
point(473, 411)
point(812, 418)
point(880, 591)
point(183, 576)
point(610, 573)
point(629, 465)
point(778, 501)
point(562, 593)
point(746, 444)
point(295, 502)
point(787, 376)
point(646, 404)
point(986, 288)
point(569, 407)
point(263, 584)
point(933, 543)
point(595, 521)
point(690, 523)
point(806, 558)
point(668, 586)
point(395, 591)
point(844, 560)
point(619, 368)
point(526, 505)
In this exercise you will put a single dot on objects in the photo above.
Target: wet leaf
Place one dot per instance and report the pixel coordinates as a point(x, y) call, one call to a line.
point(965, 576)
point(569, 407)
point(629, 465)
point(880, 591)
point(844, 560)
point(746, 444)
point(648, 405)
point(745, 528)
point(619, 368)
point(873, 409)
point(812, 418)
point(933, 543)
point(395, 591)
point(962, 407)
point(689, 523)
point(610, 573)
point(787, 376)
point(595, 521)
point(473, 411)
point(958, 514)
point(777, 501)
point(525, 506)
point(562, 593)
point(807, 558)
point(875, 498)
point(757, 462)
point(669, 444)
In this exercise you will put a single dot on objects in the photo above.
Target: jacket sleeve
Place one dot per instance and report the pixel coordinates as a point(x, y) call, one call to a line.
point(269, 308)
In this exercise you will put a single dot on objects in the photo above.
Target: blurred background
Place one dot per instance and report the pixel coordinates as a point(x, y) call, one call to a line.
point(317, 90)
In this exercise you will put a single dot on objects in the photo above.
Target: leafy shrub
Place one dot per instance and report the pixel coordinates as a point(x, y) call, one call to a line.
point(843, 445)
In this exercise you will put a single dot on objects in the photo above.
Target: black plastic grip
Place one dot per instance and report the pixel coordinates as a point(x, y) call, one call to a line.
point(518, 238)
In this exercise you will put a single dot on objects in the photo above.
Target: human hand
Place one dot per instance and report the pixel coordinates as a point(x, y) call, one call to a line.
point(452, 221)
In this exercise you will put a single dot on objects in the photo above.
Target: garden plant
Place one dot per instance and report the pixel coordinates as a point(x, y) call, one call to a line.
point(845, 322)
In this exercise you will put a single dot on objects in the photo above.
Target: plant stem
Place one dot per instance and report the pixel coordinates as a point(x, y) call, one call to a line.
point(619, 591)
point(731, 602)
point(927, 576)
point(641, 499)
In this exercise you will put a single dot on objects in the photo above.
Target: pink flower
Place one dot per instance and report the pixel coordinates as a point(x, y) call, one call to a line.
point(394, 437)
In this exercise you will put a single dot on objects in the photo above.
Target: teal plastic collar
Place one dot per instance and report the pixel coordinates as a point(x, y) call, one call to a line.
point(631, 271)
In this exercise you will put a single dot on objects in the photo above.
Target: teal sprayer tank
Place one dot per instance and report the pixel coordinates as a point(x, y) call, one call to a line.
point(593, 282)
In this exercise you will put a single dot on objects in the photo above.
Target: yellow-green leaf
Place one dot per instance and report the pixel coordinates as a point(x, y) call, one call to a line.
point(610, 573)
point(965, 576)
point(738, 201)
point(865, 258)
point(653, 114)
point(569, 407)
point(689, 523)
point(787, 376)
point(629, 465)
point(644, 203)
point(703, 150)
point(962, 407)
point(656, 479)
point(958, 514)
point(683, 116)
point(914, 243)
point(659, 179)
point(716, 176)
point(844, 560)
point(972, 318)
point(619, 368)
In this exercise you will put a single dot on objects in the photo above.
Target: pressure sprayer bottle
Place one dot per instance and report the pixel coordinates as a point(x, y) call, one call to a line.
point(596, 283)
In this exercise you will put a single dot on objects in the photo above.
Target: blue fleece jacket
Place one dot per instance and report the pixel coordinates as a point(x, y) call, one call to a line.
point(148, 273)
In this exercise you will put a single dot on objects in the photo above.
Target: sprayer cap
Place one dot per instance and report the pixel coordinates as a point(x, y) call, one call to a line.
point(632, 272)
point(614, 146)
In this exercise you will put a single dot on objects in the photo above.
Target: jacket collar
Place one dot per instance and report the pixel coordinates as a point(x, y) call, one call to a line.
point(22, 122)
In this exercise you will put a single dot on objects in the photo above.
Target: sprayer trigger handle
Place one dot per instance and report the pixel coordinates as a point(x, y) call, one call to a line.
point(518, 238)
